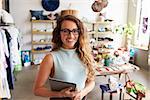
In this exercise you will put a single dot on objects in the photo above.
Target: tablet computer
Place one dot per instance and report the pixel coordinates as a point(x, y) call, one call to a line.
point(57, 85)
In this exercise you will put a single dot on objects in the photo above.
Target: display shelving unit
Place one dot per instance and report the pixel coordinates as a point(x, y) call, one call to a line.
point(39, 36)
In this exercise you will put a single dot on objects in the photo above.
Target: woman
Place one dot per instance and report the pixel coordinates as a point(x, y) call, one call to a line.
point(70, 60)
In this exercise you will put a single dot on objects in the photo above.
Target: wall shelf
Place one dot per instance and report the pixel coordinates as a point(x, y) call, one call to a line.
point(40, 32)
point(99, 22)
point(43, 21)
point(41, 39)
point(107, 32)
point(40, 43)
point(40, 51)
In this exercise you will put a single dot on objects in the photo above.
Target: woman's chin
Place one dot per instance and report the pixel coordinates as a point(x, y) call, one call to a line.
point(69, 46)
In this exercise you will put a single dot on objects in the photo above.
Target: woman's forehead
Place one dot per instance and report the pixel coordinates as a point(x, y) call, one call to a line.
point(68, 24)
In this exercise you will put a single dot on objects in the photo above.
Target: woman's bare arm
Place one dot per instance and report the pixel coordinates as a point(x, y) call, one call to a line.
point(42, 77)
point(89, 85)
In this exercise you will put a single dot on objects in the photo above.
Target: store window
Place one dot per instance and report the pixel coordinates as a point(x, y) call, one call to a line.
point(142, 39)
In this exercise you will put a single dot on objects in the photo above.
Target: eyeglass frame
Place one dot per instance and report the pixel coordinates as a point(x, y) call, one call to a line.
point(68, 31)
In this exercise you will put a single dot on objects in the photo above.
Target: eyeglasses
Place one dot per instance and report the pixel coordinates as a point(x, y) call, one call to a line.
point(66, 31)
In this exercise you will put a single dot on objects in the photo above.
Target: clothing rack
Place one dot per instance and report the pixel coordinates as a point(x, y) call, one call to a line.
point(5, 92)
point(8, 52)
point(3, 24)
point(6, 24)
point(10, 62)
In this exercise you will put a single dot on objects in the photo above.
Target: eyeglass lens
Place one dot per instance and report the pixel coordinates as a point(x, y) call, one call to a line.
point(68, 31)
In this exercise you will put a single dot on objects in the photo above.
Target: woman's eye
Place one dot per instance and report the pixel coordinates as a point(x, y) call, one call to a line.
point(75, 31)
point(65, 31)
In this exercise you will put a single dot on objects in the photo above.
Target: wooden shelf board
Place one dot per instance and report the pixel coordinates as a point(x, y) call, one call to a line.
point(100, 22)
point(40, 51)
point(39, 32)
point(43, 21)
point(40, 43)
point(107, 32)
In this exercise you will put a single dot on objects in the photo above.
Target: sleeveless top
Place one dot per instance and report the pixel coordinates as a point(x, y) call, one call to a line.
point(69, 67)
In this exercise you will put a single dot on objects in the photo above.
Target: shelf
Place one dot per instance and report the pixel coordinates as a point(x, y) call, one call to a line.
point(39, 32)
point(40, 43)
point(102, 23)
point(105, 50)
point(43, 21)
point(42, 36)
point(107, 32)
point(40, 51)
point(99, 22)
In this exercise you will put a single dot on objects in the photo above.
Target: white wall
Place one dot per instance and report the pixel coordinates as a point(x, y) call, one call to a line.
point(117, 10)
point(141, 56)
point(132, 11)
point(19, 9)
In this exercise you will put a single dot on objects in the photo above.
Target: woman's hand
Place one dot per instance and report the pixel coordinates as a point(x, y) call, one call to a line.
point(67, 92)
point(79, 95)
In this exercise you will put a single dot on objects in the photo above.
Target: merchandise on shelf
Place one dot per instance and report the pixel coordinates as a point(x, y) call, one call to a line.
point(41, 38)
point(106, 44)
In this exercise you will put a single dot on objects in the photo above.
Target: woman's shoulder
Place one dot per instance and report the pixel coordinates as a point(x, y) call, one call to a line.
point(52, 53)
point(48, 57)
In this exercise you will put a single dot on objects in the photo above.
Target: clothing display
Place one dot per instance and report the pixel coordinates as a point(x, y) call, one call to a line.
point(4, 88)
point(9, 54)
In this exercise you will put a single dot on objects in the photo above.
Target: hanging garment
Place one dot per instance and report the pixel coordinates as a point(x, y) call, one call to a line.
point(8, 69)
point(4, 40)
point(6, 17)
point(4, 88)
point(15, 58)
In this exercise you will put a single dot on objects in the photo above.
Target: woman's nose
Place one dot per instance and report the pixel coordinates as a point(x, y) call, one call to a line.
point(71, 34)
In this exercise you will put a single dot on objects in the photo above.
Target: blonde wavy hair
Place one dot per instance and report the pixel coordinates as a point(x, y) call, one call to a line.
point(82, 45)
